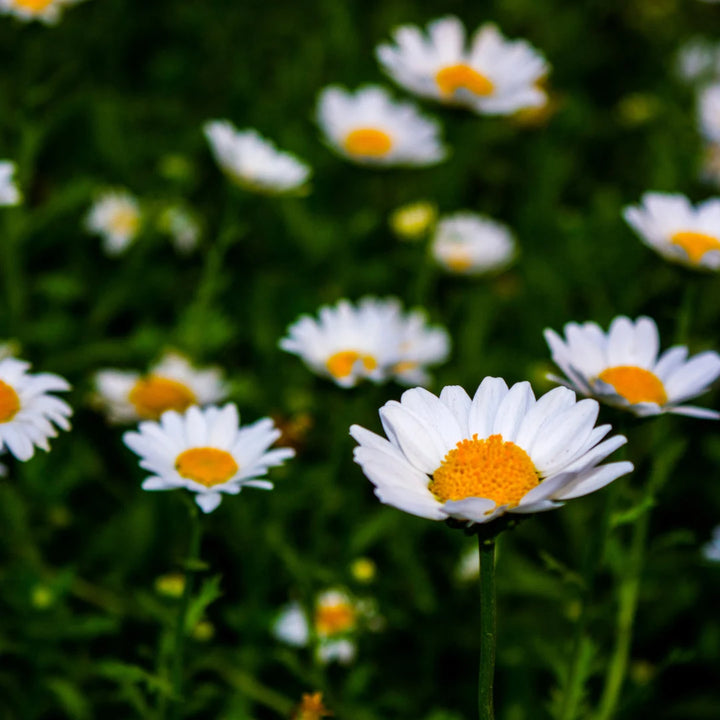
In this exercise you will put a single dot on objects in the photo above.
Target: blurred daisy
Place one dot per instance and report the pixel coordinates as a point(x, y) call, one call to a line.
point(47, 11)
point(9, 192)
point(369, 128)
point(492, 76)
point(253, 162)
point(116, 217)
point(681, 233)
point(182, 227)
point(171, 384)
point(27, 410)
point(476, 459)
point(698, 59)
point(470, 244)
point(206, 452)
point(709, 112)
point(711, 549)
point(371, 341)
point(622, 367)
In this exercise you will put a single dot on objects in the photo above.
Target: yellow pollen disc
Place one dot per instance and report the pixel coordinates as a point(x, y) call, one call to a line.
point(124, 222)
point(341, 364)
point(153, 395)
point(492, 468)
point(459, 262)
point(368, 142)
point(206, 465)
point(334, 619)
point(34, 5)
point(452, 78)
point(635, 384)
point(405, 366)
point(9, 402)
point(695, 244)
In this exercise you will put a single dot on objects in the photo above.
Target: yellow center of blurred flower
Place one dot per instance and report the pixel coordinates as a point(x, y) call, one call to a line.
point(206, 465)
point(341, 364)
point(9, 402)
point(635, 384)
point(492, 468)
point(404, 366)
point(124, 222)
point(34, 5)
point(695, 244)
point(452, 78)
point(153, 395)
point(311, 708)
point(368, 142)
point(334, 619)
point(458, 261)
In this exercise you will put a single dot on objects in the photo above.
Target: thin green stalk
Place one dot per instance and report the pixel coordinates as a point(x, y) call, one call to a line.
point(689, 302)
point(488, 623)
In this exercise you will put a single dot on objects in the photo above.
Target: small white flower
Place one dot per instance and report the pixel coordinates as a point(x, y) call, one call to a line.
point(711, 549)
point(471, 244)
point(419, 346)
point(697, 60)
point(681, 233)
point(492, 76)
point(622, 367)
point(370, 128)
point(171, 384)
point(47, 11)
point(206, 452)
point(27, 411)
point(253, 162)
point(116, 217)
point(709, 112)
point(476, 459)
point(182, 227)
point(9, 192)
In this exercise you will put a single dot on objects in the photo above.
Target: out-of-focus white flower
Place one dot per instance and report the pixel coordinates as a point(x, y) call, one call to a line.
point(116, 217)
point(9, 191)
point(47, 11)
point(370, 128)
point(711, 549)
point(182, 227)
point(698, 60)
point(468, 567)
point(492, 76)
point(709, 112)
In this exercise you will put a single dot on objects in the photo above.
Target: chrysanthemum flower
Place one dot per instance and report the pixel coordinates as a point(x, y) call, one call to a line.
point(476, 459)
point(206, 452)
point(681, 233)
point(116, 217)
point(370, 128)
point(27, 410)
point(471, 244)
point(253, 162)
point(47, 11)
point(371, 341)
point(493, 76)
point(171, 384)
point(9, 192)
point(622, 367)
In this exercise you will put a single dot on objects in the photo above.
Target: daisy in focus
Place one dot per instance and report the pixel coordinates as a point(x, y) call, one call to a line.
point(622, 367)
point(475, 459)
point(470, 244)
point(492, 75)
point(29, 414)
point(681, 233)
point(47, 11)
point(252, 162)
point(173, 383)
point(370, 128)
point(206, 452)
point(116, 217)
point(373, 340)
point(9, 191)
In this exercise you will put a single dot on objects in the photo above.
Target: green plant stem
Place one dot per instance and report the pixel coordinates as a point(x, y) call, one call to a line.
point(487, 629)
point(689, 302)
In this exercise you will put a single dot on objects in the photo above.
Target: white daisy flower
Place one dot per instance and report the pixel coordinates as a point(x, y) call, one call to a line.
point(116, 217)
point(27, 410)
point(622, 367)
point(476, 459)
point(206, 452)
point(472, 244)
point(711, 549)
point(47, 11)
point(253, 162)
point(9, 192)
point(492, 76)
point(173, 383)
point(681, 233)
point(371, 341)
point(709, 112)
point(370, 128)
point(182, 227)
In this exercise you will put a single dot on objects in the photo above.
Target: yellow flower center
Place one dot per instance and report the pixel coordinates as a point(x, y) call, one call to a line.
point(311, 707)
point(452, 78)
point(9, 402)
point(153, 395)
point(341, 364)
point(124, 222)
point(635, 384)
point(206, 465)
point(36, 6)
point(459, 261)
point(492, 468)
point(368, 142)
point(695, 244)
point(404, 366)
point(334, 619)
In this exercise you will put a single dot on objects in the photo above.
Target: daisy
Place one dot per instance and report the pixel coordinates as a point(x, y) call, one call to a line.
point(253, 162)
point(371, 341)
point(27, 410)
point(709, 112)
point(206, 452)
point(9, 192)
point(622, 367)
point(116, 217)
point(471, 244)
point(681, 233)
point(369, 128)
point(476, 459)
point(47, 11)
point(492, 76)
point(171, 384)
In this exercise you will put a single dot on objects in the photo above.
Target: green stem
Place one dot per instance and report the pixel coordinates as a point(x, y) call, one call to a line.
point(487, 629)
point(689, 302)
